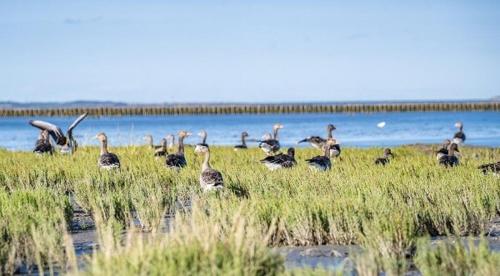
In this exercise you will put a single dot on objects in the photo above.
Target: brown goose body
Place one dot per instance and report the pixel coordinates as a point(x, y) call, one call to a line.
point(178, 160)
point(385, 159)
point(43, 144)
point(450, 159)
point(322, 162)
point(280, 161)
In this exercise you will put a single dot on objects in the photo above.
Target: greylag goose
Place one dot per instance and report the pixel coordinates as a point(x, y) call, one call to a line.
point(203, 144)
point(177, 160)
point(210, 179)
point(443, 150)
point(68, 143)
point(491, 167)
point(107, 160)
point(386, 158)
point(317, 141)
point(271, 145)
point(322, 162)
point(450, 159)
point(162, 150)
point(459, 136)
point(280, 161)
point(243, 144)
point(43, 144)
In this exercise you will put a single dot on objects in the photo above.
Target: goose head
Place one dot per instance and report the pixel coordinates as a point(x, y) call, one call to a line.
point(277, 126)
point(184, 134)
point(330, 127)
point(291, 152)
point(101, 137)
point(459, 125)
point(244, 134)
point(388, 152)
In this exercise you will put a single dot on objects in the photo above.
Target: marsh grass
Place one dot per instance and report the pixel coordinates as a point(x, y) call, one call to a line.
point(457, 257)
point(198, 244)
point(384, 209)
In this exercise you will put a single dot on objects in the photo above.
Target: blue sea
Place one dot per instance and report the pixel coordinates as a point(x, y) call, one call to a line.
point(353, 129)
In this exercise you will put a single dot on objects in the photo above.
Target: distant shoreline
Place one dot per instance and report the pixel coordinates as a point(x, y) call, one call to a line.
point(200, 109)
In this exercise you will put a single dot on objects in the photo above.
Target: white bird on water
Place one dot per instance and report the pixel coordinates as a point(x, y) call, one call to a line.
point(381, 124)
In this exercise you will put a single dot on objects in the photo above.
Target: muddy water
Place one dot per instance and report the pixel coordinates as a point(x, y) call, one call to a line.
point(324, 256)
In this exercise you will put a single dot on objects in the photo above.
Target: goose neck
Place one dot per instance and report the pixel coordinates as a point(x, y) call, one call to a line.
point(206, 161)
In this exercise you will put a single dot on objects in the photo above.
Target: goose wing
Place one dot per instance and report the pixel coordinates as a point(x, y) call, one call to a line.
point(320, 162)
point(175, 160)
point(274, 159)
point(212, 177)
point(270, 145)
point(75, 123)
point(53, 130)
point(109, 160)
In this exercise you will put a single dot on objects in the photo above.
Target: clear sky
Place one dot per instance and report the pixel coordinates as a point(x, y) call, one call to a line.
point(252, 51)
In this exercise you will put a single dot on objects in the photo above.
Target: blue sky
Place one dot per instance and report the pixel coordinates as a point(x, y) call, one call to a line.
point(251, 51)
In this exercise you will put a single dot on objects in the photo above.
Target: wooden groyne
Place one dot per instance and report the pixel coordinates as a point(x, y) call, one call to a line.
point(193, 109)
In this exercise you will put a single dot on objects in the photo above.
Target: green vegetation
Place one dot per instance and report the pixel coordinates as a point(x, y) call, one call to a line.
point(386, 210)
point(251, 109)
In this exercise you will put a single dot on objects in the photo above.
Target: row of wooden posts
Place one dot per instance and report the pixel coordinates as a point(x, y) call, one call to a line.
point(251, 109)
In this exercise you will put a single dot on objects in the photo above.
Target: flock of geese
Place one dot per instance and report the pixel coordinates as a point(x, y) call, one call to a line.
point(448, 154)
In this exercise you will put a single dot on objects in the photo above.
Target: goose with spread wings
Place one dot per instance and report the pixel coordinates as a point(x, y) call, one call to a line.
point(67, 142)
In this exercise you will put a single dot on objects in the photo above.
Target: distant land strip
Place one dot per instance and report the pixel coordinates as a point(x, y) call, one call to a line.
point(200, 109)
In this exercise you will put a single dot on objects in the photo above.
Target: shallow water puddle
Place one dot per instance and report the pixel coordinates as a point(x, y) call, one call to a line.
point(323, 256)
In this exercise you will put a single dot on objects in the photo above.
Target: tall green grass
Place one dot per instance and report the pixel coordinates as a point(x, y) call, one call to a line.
point(384, 209)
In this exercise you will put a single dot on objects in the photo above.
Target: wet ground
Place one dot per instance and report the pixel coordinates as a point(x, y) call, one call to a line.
point(325, 256)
